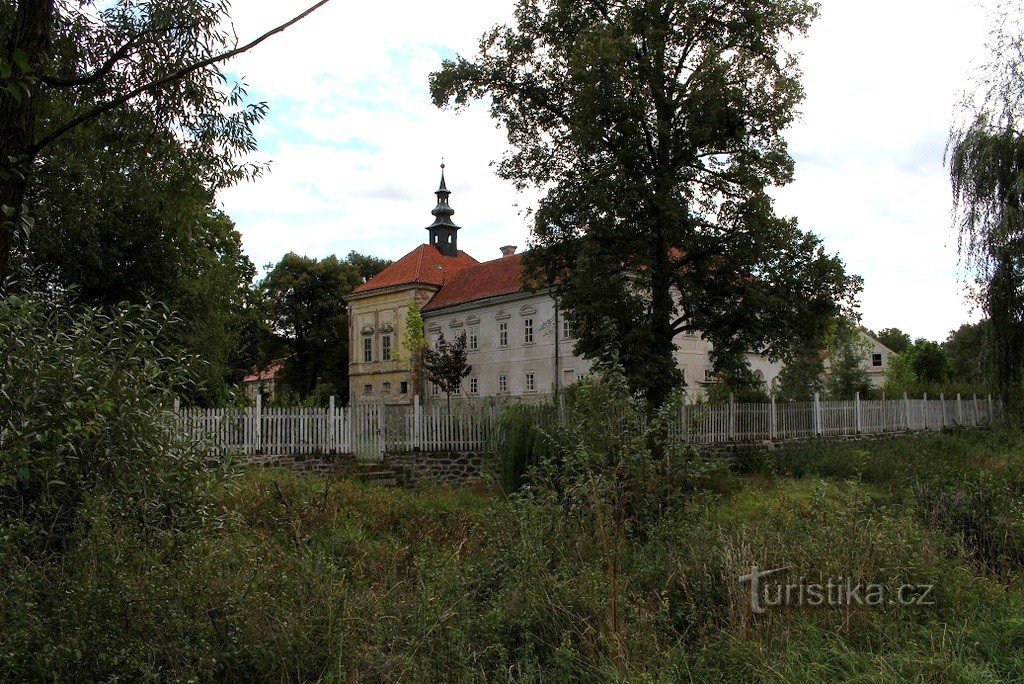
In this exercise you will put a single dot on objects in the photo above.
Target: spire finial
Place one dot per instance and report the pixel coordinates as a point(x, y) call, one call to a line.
point(444, 233)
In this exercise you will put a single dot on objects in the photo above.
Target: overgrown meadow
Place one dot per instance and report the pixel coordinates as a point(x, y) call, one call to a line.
point(588, 554)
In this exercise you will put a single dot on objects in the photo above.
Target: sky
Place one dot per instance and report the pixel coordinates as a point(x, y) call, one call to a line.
point(354, 142)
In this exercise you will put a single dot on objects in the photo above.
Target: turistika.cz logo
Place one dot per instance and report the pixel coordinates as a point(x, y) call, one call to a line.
point(842, 592)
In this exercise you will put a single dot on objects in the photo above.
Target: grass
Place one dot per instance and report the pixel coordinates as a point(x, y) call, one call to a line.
point(307, 580)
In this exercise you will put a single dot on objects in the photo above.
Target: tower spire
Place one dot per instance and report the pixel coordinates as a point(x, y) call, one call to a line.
point(444, 234)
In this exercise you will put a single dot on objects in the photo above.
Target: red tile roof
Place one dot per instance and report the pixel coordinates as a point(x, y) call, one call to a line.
point(482, 281)
point(425, 265)
point(271, 372)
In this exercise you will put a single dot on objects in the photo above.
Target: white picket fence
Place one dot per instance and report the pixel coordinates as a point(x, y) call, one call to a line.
point(370, 430)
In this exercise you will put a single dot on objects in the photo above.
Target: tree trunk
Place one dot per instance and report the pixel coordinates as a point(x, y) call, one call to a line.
point(27, 54)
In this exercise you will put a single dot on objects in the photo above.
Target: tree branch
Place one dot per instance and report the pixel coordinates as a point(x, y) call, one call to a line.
point(105, 68)
point(116, 102)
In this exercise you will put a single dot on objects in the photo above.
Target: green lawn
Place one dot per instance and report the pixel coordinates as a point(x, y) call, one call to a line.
point(309, 580)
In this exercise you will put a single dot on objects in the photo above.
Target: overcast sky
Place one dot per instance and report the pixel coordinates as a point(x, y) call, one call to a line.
point(354, 142)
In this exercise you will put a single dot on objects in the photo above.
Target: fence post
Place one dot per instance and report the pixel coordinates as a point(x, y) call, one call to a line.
point(381, 437)
point(771, 417)
point(177, 405)
point(332, 428)
point(977, 416)
point(991, 413)
point(258, 441)
point(942, 403)
point(417, 423)
point(856, 411)
point(959, 410)
point(732, 418)
point(883, 412)
point(906, 410)
point(819, 428)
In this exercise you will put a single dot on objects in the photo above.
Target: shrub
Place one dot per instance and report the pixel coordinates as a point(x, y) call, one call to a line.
point(84, 398)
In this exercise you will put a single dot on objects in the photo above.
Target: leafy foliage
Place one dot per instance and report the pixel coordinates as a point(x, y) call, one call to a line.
point(414, 344)
point(803, 376)
point(845, 352)
point(968, 350)
point(654, 129)
point(84, 399)
point(895, 339)
point(305, 300)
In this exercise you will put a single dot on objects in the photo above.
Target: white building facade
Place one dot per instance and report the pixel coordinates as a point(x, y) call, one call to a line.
point(519, 342)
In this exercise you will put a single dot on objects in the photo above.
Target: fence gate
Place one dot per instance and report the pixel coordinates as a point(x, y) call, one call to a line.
point(368, 431)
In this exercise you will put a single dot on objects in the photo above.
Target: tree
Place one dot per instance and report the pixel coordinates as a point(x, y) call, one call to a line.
point(145, 231)
point(895, 339)
point(367, 266)
point(985, 156)
point(900, 377)
point(845, 351)
point(414, 345)
point(307, 308)
point(654, 129)
point(967, 348)
point(929, 361)
point(803, 375)
point(304, 300)
point(446, 365)
point(65, 65)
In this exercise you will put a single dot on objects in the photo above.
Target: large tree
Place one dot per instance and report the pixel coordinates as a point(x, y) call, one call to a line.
point(986, 166)
point(305, 301)
point(654, 128)
point(64, 65)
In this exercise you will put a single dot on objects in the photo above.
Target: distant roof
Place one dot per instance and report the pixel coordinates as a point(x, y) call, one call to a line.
point(271, 372)
point(481, 281)
point(425, 265)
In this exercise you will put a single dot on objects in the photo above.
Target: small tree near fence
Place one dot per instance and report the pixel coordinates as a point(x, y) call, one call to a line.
point(446, 365)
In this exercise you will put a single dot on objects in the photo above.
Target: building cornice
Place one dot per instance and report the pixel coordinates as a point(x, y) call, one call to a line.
point(489, 301)
point(392, 289)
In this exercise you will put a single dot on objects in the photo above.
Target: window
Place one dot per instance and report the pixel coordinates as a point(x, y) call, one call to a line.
point(474, 338)
point(529, 382)
point(435, 389)
point(386, 388)
point(503, 334)
point(568, 377)
point(709, 375)
point(473, 387)
point(367, 349)
point(367, 389)
point(527, 331)
point(385, 348)
point(876, 360)
point(566, 330)
point(503, 383)
point(437, 340)
point(405, 388)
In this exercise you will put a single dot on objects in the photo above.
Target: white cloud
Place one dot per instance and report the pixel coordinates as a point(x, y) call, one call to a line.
point(355, 142)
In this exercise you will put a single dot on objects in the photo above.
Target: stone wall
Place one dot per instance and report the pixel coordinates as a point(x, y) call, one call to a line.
point(319, 466)
point(444, 467)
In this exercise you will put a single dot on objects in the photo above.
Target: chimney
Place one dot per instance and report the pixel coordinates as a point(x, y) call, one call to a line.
point(508, 250)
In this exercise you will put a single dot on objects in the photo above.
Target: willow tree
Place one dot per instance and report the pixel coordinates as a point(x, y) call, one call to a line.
point(654, 128)
point(986, 165)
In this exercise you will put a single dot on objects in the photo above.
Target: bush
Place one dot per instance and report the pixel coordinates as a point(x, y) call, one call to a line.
point(84, 399)
point(519, 443)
